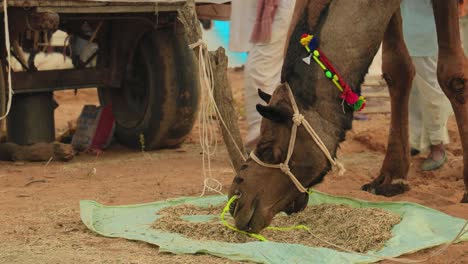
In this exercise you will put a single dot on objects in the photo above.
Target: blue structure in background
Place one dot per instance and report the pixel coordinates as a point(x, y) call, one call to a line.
point(217, 36)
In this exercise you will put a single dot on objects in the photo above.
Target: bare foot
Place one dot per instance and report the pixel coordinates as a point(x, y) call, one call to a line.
point(437, 152)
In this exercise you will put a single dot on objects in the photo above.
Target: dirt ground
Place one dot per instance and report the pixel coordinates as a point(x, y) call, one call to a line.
point(40, 223)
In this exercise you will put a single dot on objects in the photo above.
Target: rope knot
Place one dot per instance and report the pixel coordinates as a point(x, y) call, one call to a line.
point(298, 119)
point(284, 168)
point(339, 167)
point(199, 43)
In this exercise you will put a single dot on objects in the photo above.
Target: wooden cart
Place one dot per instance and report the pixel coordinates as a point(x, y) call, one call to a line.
point(145, 68)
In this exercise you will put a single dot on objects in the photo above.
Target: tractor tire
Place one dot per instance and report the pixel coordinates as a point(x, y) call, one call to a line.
point(155, 106)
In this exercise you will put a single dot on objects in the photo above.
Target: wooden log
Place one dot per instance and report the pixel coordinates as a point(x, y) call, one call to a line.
point(3, 131)
point(225, 102)
point(222, 89)
point(3, 102)
point(36, 152)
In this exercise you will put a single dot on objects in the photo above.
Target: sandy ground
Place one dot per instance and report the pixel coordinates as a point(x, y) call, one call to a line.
point(40, 223)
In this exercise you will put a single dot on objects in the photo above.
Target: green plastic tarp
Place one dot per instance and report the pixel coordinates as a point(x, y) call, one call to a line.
point(421, 227)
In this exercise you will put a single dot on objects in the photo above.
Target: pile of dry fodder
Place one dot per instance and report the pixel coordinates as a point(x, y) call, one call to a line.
point(357, 229)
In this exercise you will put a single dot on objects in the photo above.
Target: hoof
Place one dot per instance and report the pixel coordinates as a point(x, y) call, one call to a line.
point(368, 188)
point(465, 198)
point(387, 190)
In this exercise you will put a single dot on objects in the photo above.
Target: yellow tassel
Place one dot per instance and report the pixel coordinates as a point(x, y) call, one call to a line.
point(306, 40)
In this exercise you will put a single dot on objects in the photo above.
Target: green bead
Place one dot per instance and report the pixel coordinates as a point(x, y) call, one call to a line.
point(329, 74)
point(358, 105)
point(316, 53)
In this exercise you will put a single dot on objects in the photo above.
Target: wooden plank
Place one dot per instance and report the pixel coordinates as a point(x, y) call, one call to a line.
point(63, 3)
point(377, 95)
point(217, 12)
point(380, 88)
point(377, 105)
point(376, 110)
point(107, 6)
point(43, 81)
point(110, 9)
point(380, 91)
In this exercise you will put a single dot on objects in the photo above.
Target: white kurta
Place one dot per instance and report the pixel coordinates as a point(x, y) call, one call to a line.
point(429, 108)
point(419, 27)
point(243, 14)
point(464, 33)
point(263, 67)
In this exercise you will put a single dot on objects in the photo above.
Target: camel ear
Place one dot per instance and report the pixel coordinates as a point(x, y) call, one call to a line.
point(274, 113)
point(265, 97)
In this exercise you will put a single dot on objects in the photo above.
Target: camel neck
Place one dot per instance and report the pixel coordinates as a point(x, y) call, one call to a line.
point(349, 33)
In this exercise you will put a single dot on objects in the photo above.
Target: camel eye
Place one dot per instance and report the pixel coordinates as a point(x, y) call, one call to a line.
point(238, 180)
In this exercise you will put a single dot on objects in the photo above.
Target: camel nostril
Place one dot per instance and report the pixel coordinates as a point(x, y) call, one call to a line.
point(238, 180)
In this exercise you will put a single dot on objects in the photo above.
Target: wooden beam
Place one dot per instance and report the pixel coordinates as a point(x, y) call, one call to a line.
point(144, 8)
point(80, 6)
point(214, 11)
point(46, 81)
point(106, 6)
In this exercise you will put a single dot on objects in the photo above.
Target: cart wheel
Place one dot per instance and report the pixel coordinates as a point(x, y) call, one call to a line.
point(157, 103)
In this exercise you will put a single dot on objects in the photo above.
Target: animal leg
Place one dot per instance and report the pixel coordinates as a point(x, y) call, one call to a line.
point(452, 71)
point(398, 71)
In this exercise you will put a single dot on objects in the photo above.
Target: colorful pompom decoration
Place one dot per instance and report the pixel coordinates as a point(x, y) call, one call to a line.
point(360, 104)
point(310, 43)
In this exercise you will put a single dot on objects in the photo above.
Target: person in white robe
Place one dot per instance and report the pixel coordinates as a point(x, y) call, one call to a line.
point(264, 61)
point(429, 108)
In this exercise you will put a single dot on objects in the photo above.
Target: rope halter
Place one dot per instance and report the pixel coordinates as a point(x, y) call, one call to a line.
point(298, 120)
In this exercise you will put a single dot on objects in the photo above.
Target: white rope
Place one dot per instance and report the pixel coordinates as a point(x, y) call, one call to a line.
point(284, 168)
point(206, 131)
point(7, 47)
point(200, 43)
point(298, 120)
point(208, 107)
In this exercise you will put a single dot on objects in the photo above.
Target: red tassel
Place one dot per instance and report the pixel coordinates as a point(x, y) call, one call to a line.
point(349, 96)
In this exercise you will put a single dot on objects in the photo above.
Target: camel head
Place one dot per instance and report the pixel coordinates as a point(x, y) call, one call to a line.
point(263, 192)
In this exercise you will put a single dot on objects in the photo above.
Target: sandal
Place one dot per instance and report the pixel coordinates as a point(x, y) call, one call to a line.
point(429, 164)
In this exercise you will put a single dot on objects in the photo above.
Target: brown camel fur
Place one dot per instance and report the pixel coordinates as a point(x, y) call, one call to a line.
point(349, 33)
